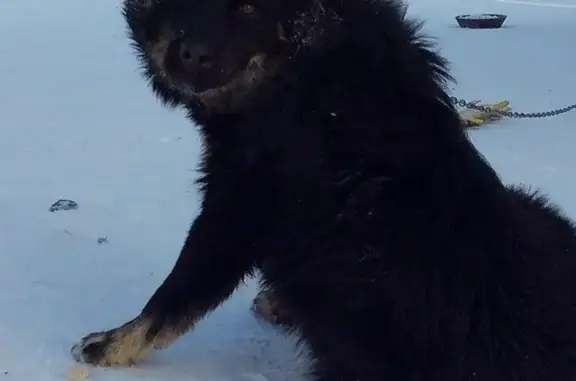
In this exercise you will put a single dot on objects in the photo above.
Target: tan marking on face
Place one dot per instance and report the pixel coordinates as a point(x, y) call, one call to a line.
point(237, 91)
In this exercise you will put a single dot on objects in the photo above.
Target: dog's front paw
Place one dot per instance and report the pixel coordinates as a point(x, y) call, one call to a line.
point(122, 346)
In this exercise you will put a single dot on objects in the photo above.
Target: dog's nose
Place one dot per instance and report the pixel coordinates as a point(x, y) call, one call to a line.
point(195, 57)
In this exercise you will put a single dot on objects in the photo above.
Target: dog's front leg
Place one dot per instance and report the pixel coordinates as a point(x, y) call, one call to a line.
point(215, 258)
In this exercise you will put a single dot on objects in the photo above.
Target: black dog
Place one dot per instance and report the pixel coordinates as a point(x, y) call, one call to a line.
point(335, 164)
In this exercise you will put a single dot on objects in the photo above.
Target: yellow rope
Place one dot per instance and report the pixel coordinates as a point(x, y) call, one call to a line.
point(474, 118)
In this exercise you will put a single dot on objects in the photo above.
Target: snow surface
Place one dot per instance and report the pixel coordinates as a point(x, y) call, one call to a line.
point(77, 122)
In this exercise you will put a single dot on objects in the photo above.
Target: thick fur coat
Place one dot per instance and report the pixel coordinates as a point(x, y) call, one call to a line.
point(343, 175)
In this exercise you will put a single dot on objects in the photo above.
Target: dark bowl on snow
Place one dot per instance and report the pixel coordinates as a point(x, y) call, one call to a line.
point(481, 21)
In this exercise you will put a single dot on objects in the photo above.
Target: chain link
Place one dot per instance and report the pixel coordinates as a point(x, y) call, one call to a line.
point(511, 114)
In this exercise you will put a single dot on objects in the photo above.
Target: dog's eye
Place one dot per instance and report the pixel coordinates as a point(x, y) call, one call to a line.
point(247, 9)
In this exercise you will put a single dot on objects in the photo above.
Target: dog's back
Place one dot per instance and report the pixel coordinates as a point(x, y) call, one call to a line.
point(418, 264)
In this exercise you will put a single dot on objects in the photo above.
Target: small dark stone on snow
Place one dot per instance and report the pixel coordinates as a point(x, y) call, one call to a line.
point(62, 205)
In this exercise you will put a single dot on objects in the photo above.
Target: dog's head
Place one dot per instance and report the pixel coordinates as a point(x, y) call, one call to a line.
point(212, 52)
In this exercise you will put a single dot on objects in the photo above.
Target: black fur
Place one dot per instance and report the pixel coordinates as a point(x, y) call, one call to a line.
point(349, 182)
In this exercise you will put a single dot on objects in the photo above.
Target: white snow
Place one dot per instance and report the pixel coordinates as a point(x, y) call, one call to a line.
point(78, 122)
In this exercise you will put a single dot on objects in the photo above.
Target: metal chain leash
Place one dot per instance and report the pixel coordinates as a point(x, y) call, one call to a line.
point(511, 114)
